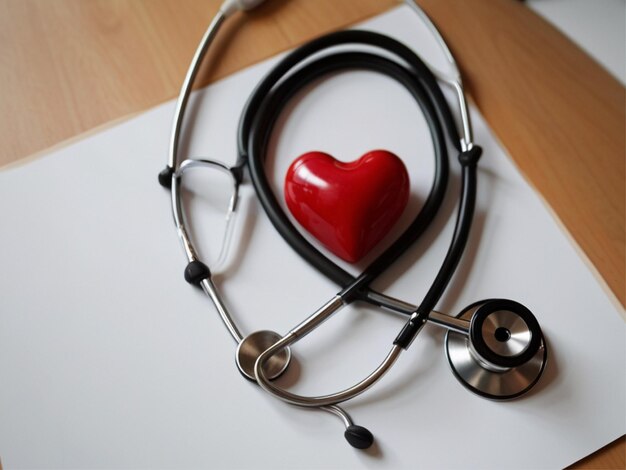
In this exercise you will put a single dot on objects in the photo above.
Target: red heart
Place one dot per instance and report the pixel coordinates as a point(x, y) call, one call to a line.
point(348, 207)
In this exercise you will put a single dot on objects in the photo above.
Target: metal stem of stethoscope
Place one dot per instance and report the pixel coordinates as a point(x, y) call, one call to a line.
point(312, 322)
point(298, 333)
point(185, 91)
point(455, 81)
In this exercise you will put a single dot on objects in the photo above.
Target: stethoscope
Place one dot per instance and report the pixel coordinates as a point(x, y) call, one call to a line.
point(495, 347)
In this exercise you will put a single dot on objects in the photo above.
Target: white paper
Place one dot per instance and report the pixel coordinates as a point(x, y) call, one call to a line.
point(109, 359)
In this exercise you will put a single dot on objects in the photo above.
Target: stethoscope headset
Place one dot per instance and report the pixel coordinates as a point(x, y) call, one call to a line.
point(495, 347)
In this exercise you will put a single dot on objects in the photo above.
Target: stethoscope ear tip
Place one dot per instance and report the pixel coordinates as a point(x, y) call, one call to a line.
point(165, 177)
point(358, 437)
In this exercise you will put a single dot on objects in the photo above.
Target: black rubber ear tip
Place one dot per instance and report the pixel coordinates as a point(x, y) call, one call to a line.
point(358, 437)
point(196, 272)
point(165, 177)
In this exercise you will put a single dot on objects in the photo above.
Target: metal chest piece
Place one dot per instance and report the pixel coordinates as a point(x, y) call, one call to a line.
point(252, 346)
point(504, 354)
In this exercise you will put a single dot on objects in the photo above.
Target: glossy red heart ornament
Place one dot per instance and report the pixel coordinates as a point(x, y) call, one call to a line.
point(348, 207)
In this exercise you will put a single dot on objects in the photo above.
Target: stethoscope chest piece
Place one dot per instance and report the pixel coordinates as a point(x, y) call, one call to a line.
point(505, 352)
point(251, 347)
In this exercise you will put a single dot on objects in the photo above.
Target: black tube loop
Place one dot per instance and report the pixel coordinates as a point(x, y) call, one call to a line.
point(455, 251)
point(287, 78)
point(262, 133)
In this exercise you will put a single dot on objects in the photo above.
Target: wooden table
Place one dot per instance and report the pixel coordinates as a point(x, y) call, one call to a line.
point(68, 67)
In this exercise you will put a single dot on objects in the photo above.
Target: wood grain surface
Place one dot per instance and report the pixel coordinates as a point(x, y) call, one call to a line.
point(560, 115)
point(69, 66)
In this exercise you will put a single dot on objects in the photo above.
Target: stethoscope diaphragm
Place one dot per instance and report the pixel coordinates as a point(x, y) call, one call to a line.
point(503, 355)
point(250, 348)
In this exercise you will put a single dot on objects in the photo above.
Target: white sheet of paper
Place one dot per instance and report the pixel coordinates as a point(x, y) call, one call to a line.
point(109, 359)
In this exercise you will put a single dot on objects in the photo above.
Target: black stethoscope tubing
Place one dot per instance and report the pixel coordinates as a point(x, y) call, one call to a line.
point(281, 84)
